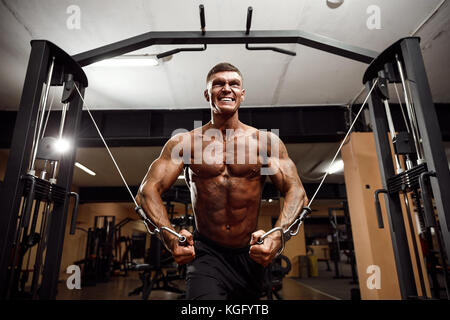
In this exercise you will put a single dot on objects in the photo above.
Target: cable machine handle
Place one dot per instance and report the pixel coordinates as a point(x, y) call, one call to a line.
point(249, 20)
point(73, 221)
point(202, 18)
point(424, 180)
point(378, 207)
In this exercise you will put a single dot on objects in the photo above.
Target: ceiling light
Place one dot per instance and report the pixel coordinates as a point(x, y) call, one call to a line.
point(270, 200)
point(333, 4)
point(337, 166)
point(181, 177)
point(145, 60)
point(79, 165)
point(62, 145)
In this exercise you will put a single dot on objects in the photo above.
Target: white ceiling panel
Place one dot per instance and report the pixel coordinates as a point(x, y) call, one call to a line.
point(312, 77)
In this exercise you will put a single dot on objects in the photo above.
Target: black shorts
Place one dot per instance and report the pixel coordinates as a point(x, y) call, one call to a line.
point(220, 273)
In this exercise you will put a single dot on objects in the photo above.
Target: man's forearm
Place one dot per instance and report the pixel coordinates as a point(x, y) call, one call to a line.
point(153, 206)
point(294, 201)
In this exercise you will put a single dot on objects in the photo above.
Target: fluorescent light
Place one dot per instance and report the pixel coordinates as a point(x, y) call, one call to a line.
point(333, 4)
point(129, 61)
point(79, 165)
point(337, 166)
point(62, 145)
point(181, 177)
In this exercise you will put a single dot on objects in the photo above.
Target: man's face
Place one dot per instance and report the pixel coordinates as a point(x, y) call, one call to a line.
point(224, 92)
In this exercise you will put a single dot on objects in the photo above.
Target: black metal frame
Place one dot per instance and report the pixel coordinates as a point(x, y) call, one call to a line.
point(225, 37)
point(59, 221)
point(14, 184)
point(408, 50)
point(337, 258)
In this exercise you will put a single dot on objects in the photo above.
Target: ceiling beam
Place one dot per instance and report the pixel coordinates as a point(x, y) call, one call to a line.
point(131, 128)
point(155, 127)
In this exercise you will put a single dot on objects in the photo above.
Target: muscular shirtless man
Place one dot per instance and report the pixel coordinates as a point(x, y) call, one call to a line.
point(223, 257)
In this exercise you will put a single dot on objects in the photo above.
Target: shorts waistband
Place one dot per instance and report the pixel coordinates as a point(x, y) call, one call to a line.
point(219, 247)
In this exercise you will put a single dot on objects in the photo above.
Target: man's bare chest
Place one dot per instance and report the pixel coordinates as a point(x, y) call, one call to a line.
point(235, 158)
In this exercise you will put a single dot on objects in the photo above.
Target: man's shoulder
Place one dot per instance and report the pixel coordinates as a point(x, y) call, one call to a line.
point(258, 131)
point(269, 134)
point(252, 130)
point(177, 140)
point(179, 137)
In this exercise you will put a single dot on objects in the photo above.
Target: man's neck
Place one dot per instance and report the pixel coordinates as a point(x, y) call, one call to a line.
point(221, 123)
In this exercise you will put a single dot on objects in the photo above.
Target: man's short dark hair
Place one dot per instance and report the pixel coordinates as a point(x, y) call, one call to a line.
point(220, 67)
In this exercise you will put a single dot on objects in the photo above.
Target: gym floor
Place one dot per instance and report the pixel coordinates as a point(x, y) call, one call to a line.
point(323, 287)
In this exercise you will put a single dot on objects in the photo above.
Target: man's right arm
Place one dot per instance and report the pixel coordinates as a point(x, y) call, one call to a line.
point(163, 172)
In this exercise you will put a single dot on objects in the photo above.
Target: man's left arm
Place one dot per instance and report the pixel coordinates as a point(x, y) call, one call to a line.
point(284, 176)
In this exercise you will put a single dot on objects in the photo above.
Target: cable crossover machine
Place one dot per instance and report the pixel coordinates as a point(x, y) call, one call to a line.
point(29, 200)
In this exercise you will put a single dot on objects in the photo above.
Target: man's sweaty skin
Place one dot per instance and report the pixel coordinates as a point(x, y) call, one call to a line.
point(226, 195)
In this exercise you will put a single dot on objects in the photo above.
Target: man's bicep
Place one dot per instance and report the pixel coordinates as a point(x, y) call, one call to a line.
point(285, 174)
point(164, 171)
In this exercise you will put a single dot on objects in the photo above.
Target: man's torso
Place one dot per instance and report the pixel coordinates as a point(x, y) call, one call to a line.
point(226, 183)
